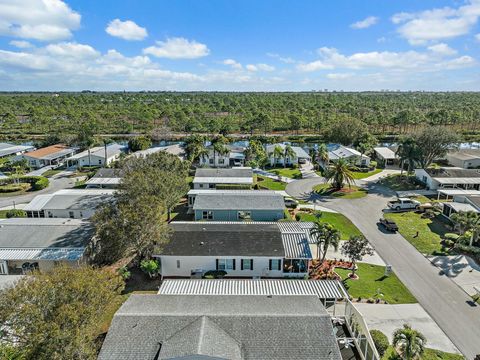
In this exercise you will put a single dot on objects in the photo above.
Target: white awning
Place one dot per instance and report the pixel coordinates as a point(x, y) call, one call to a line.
point(453, 192)
point(103, 181)
point(453, 180)
point(56, 254)
point(324, 289)
point(385, 153)
point(296, 246)
point(222, 180)
point(461, 207)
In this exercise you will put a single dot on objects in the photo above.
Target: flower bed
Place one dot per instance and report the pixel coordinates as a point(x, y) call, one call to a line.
point(326, 269)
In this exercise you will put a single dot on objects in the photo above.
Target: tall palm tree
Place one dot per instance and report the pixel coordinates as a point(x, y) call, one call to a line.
point(325, 235)
point(407, 152)
point(409, 343)
point(339, 174)
point(277, 154)
point(467, 221)
point(322, 154)
point(288, 154)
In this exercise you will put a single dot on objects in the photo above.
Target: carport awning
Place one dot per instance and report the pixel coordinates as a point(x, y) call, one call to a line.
point(56, 254)
point(461, 207)
point(453, 180)
point(453, 192)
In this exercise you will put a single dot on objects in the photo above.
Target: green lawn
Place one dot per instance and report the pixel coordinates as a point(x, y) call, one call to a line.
point(430, 231)
point(353, 192)
point(429, 354)
point(371, 280)
point(270, 184)
point(362, 175)
point(287, 172)
point(339, 221)
point(51, 172)
point(400, 183)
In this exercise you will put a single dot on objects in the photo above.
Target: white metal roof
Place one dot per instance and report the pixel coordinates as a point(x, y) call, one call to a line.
point(453, 192)
point(103, 181)
point(221, 192)
point(112, 151)
point(296, 246)
point(70, 254)
point(385, 153)
point(39, 202)
point(457, 206)
point(457, 180)
point(324, 289)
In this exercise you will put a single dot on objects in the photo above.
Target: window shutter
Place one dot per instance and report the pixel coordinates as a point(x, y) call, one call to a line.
point(241, 264)
point(216, 264)
point(233, 264)
point(251, 264)
point(270, 264)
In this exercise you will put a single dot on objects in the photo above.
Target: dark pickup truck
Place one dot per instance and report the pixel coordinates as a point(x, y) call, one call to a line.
point(389, 224)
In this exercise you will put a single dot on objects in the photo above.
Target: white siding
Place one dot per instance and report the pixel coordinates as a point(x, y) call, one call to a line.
point(424, 177)
point(206, 263)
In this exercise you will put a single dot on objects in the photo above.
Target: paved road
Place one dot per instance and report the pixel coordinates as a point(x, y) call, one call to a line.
point(58, 182)
point(447, 304)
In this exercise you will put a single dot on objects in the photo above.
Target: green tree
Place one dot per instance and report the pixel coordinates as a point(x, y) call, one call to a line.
point(433, 143)
point(325, 235)
point(365, 143)
point(288, 154)
point(86, 135)
point(55, 314)
point(345, 130)
point(467, 221)
point(409, 343)
point(139, 143)
point(277, 154)
point(339, 174)
point(355, 249)
point(408, 152)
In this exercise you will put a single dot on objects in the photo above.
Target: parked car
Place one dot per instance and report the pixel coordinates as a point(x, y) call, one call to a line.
point(389, 224)
point(291, 203)
point(404, 204)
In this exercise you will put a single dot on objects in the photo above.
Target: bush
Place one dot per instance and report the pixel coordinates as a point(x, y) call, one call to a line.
point(297, 217)
point(473, 251)
point(214, 274)
point(380, 340)
point(124, 272)
point(15, 213)
point(149, 267)
point(139, 143)
point(451, 236)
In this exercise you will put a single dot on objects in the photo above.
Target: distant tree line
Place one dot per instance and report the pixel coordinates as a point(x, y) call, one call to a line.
point(24, 114)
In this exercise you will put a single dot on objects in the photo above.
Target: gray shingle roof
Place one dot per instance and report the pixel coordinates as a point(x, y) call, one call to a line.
point(277, 327)
point(453, 173)
point(247, 200)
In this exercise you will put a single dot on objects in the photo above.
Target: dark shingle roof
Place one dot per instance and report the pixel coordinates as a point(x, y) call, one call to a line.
point(246, 200)
point(277, 327)
point(206, 239)
point(108, 173)
point(224, 173)
point(453, 173)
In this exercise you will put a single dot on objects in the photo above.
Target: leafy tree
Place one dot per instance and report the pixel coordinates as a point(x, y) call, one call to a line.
point(409, 343)
point(339, 174)
point(345, 131)
point(149, 267)
point(86, 135)
point(325, 235)
point(355, 249)
point(288, 154)
point(195, 147)
point(139, 143)
point(55, 315)
point(365, 143)
point(467, 221)
point(409, 152)
point(434, 142)
point(277, 154)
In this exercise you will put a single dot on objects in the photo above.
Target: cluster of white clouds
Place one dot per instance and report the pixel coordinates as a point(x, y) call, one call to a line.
point(46, 54)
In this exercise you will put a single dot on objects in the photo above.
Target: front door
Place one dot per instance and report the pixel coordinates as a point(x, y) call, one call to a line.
point(3, 267)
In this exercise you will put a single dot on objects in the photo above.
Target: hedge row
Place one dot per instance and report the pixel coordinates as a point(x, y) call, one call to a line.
point(37, 182)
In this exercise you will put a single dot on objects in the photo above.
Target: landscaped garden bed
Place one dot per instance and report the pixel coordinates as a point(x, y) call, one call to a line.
point(326, 270)
point(399, 182)
point(347, 192)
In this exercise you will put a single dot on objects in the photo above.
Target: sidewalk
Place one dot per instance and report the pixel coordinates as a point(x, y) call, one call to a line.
point(381, 174)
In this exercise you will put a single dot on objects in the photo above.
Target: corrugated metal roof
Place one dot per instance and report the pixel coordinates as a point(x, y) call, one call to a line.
point(251, 200)
point(451, 192)
point(296, 246)
point(458, 180)
point(104, 181)
point(38, 202)
point(461, 206)
point(218, 192)
point(324, 289)
point(223, 180)
point(385, 152)
point(70, 254)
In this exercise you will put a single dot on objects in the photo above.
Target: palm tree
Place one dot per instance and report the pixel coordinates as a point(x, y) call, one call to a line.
point(325, 235)
point(407, 152)
point(194, 145)
point(220, 149)
point(467, 221)
point(322, 154)
point(409, 343)
point(288, 154)
point(339, 174)
point(277, 154)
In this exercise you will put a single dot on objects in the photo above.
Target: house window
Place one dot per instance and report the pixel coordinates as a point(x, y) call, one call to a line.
point(211, 186)
point(200, 185)
point(178, 264)
point(50, 215)
point(225, 264)
point(210, 161)
point(71, 214)
point(275, 264)
point(207, 215)
point(100, 162)
point(81, 215)
point(221, 161)
point(247, 264)
point(244, 215)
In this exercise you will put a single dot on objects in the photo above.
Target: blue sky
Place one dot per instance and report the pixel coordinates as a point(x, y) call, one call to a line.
point(261, 45)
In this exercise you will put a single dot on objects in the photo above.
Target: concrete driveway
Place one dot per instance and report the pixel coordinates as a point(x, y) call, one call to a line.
point(447, 304)
point(388, 318)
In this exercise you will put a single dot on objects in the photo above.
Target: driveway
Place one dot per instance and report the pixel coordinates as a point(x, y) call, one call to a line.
point(388, 318)
point(450, 307)
point(57, 182)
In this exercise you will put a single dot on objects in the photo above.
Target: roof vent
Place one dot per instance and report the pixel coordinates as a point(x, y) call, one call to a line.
point(202, 243)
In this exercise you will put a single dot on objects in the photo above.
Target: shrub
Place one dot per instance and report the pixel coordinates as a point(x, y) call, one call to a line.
point(149, 267)
point(124, 272)
point(214, 274)
point(297, 216)
point(380, 340)
point(451, 236)
point(37, 182)
point(15, 213)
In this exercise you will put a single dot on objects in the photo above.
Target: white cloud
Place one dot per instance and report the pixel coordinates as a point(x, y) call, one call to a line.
point(178, 48)
point(477, 37)
point(232, 63)
point(72, 50)
point(437, 24)
point(21, 44)
point(382, 39)
point(457, 63)
point(286, 60)
point(330, 58)
point(365, 23)
point(126, 30)
point(259, 67)
point(45, 20)
point(339, 76)
point(442, 49)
